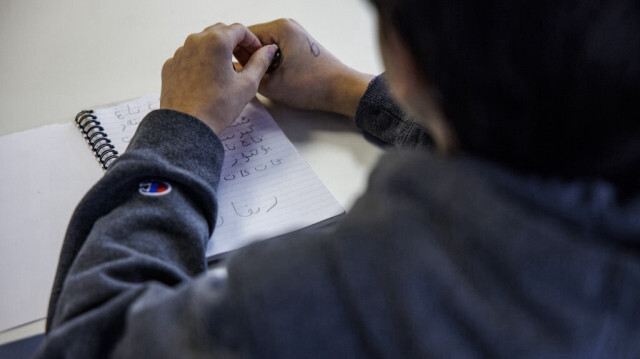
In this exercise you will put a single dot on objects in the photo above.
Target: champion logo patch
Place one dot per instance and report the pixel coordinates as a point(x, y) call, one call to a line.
point(154, 188)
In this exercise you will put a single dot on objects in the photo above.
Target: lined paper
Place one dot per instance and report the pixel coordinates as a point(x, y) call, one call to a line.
point(266, 188)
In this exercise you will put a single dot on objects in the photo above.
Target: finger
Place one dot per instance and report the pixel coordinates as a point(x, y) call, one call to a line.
point(264, 32)
point(242, 55)
point(178, 52)
point(214, 27)
point(167, 67)
point(243, 38)
point(259, 63)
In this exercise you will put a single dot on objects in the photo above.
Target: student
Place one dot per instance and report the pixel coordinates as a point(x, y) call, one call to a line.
point(509, 228)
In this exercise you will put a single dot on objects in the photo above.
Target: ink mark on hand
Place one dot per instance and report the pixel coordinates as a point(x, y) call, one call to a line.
point(313, 47)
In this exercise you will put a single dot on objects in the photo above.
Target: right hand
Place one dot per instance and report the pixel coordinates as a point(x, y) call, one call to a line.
point(199, 80)
point(309, 77)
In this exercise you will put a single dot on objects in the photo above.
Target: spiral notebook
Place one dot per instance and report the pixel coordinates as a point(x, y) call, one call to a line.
point(266, 188)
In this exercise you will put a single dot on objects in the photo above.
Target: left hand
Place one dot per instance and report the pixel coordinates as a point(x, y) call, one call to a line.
point(200, 79)
point(309, 76)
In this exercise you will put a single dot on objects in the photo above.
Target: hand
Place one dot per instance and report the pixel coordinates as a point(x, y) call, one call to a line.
point(308, 77)
point(200, 79)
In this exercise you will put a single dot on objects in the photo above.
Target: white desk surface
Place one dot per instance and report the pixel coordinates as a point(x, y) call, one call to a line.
point(59, 57)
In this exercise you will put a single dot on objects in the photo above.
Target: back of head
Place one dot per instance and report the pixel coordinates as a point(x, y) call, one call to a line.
point(544, 86)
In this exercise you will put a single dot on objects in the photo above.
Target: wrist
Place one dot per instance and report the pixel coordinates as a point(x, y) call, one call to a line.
point(346, 91)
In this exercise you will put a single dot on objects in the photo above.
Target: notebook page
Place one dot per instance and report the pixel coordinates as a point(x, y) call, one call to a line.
point(266, 188)
point(121, 121)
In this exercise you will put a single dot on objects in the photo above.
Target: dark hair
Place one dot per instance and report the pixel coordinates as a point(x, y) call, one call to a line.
point(544, 86)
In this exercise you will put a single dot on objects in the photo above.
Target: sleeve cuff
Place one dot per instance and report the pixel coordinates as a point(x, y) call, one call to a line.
point(380, 116)
point(175, 139)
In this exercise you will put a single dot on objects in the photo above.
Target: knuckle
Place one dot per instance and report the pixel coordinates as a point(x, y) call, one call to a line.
point(215, 26)
point(285, 23)
point(214, 36)
point(235, 28)
point(217, 41)
point(191, 40)
point(167, 66)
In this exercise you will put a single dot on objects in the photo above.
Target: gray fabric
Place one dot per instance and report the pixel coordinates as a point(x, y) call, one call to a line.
point(440, 258)
point(378, 115)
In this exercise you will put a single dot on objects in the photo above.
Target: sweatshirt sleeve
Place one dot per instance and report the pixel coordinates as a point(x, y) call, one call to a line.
point(126, 251)
point(380, 116)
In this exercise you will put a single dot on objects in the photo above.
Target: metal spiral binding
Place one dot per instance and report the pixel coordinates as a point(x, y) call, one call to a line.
point(97, 139)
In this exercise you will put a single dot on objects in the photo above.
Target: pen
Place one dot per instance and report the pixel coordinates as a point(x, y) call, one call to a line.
point(276, 60)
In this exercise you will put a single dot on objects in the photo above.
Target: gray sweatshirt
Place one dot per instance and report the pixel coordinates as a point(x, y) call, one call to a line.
point(440, 258)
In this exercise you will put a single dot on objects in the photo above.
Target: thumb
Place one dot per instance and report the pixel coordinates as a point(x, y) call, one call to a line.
point(259, 62)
